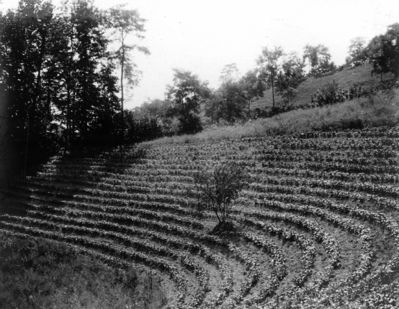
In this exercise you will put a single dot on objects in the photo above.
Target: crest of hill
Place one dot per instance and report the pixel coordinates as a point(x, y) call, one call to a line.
point(345, 78)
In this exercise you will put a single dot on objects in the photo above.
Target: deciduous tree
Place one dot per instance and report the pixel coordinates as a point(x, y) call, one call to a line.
point(125, 23)
point(185, 95)
point(319, 59)
point(357, 51)
point(229, 103)
point(269, 66)
point(289, 77)
point(219, 187)
point(56, 75)
point(26, 44)
point(383, 52)
point(229, 73)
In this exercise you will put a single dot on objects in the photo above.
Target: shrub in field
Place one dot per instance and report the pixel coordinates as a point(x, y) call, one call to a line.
point(218, 188)
point(329, 94)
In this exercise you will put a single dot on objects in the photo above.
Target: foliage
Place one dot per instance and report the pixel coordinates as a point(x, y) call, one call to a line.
point(357, 52)
point(383, 52)
point(329, 94)
point(319, 59)
point(289, 78)
point(231, 101)
point(228, 103)
point(158, 112)
point(251, 86)
point(282, 75)
point(220, 187)
point(375, 51)
point(152, 109)
point(141, 129)
point(57, 73)
point(229, 73)
point(268, 66)
point(392, 51)
point(125, 22)
point(185, 96)
point(90, 45)
point(27, 38)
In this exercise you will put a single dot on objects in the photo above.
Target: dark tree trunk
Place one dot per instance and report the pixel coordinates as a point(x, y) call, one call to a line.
point(273, 91)
point(122, 76)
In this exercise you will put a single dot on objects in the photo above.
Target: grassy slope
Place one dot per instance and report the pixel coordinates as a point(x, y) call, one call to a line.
point(380, 110)
point(345, 78)
point(45, 274)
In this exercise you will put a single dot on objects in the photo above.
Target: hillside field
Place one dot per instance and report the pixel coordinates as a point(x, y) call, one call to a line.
point(316, 228)
point(199, 155)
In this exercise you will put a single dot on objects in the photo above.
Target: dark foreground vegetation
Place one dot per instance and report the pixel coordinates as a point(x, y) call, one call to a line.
point(44, 274)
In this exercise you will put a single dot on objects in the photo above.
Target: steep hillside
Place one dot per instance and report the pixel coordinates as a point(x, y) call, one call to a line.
point(318, 225)
point(345, 79)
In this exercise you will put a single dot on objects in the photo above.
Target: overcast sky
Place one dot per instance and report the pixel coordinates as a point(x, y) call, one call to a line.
point(204, 35)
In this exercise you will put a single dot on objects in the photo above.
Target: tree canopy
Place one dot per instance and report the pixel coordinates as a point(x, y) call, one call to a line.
point(318, 57)
point(185, 96)
point(58, 74)
point(289, 77)
point(269, 66)
point(124, 22)
point(357, 52)
point(229, 103)
point(383, 51)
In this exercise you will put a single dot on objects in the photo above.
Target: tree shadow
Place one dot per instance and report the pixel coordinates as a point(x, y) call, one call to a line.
point(67, 175)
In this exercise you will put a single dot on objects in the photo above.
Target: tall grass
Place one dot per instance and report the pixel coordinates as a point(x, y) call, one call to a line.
point(379, 110)
point(44, 274)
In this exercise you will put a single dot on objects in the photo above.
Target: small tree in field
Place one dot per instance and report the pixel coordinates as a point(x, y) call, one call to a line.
point(218, 188)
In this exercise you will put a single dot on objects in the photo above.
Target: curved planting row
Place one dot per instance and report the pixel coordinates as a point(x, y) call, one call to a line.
point(317, 224)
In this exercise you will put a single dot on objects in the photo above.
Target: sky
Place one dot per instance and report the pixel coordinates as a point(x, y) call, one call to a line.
point(202, 36)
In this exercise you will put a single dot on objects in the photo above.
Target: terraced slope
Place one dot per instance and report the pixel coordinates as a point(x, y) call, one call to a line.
point(318, 224)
